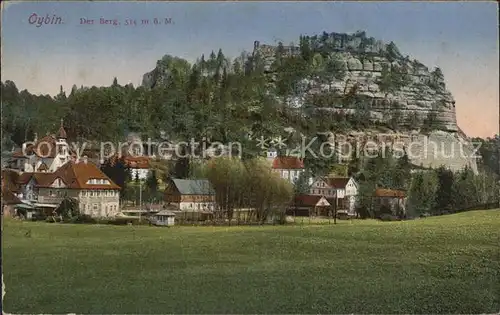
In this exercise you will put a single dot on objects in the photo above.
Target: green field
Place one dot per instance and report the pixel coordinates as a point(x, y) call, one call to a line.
point(447, 264)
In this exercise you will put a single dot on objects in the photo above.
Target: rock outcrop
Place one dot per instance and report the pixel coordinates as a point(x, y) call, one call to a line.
point(366, 61)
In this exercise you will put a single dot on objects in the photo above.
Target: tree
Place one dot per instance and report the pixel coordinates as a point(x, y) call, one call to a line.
point(464, 190)
point(68, 208)
point(302, 185)
point(402, 172)
point(392, 52)
point(118, 171)
point(437, 79)
point(445, 191)
point(181, 168)
point(152, 185)
point(334, 69)
point(305, 48)
point(422, 193)
point(227, 176)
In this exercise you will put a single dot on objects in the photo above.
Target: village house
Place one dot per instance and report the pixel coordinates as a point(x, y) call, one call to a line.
point(190, 194)
point(341, 191)
point(288, 167)
point(96, 193)
point(310, 205)
point(42, 155)
point(139, 166)
point(9, 202)
point(390, 199)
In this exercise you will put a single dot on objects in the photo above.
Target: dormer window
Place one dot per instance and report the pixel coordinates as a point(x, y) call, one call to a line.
point(98, 181)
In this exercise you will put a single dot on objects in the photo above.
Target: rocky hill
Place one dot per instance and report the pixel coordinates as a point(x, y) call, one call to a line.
point(385, 81)
point(347, 74)
point(369, 64)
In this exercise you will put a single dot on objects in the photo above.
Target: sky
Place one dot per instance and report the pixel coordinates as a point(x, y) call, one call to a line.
point(459, 37)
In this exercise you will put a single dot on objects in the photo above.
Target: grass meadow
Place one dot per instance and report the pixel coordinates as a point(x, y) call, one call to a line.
point(446, 264)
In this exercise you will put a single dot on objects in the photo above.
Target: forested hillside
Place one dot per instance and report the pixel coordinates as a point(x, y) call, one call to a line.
point(256, 94)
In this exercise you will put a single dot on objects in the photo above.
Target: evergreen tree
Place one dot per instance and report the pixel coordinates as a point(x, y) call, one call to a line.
point(422, 193)
point(445, 191)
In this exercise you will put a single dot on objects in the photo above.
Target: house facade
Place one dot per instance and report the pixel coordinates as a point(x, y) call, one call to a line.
point(310, 205)
point(190, 194)
point(340, 190)
point(96, 193)
point(393, 200)
point(288, 167)
point(42, 155)
point(139, 166)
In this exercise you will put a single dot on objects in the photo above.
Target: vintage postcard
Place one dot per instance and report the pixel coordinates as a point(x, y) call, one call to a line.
point(250, 157)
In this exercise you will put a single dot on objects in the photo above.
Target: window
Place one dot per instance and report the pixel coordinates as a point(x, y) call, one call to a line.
point(51, 193)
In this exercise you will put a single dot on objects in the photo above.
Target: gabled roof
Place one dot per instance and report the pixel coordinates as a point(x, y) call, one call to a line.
point(309, 200)
point(136, 162)
point(193, 186)
point(337, 182)
point(8, 197)
point(40, 178)
point(381, 192)
point(45, 147)
point(10, 180)
point(74, 175)
point(287, 163)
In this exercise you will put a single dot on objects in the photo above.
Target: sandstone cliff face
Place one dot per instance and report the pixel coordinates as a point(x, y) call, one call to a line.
point(424, 91)
point(365, 62)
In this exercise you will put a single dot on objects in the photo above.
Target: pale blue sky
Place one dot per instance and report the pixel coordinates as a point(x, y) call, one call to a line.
point(460, 37)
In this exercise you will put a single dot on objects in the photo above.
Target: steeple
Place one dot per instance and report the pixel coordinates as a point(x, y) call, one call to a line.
point(61, 134)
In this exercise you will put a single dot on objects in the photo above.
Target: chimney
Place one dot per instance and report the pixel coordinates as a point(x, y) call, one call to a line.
point(85, 159)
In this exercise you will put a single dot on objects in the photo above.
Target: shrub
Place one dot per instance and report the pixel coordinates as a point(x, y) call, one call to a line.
point(83, 218)
point(363, 212)
point(385, 209)
point(388, 217)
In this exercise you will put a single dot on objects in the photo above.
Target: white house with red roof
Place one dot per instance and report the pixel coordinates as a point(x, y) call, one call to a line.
point(42, 155)
point(97, 194)
point(288, 167)
point(341, 189)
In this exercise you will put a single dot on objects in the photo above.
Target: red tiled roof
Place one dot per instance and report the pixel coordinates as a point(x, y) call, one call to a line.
point(337, 182)
point(40, 178)
point(10, 180)
point(44, 147)
point(9, 198)
point(287, 163)
point(137, 162)
point(306, 200)
point(74, 175)
point(380, 192)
